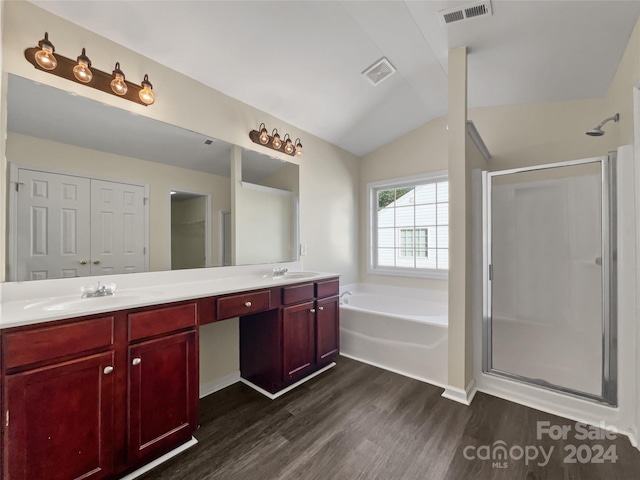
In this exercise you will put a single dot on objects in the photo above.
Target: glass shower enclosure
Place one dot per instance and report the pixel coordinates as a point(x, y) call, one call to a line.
point(549, 269)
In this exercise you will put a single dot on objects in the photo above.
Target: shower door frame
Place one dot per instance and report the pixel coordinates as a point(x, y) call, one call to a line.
point(609, 282)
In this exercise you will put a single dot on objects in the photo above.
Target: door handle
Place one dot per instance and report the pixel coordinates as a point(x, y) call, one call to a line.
point(313, 310)
point(136, 361)
point(108, 370)
point(320, 308)
point(96, 262)
point(83, 262)
point(247, 304)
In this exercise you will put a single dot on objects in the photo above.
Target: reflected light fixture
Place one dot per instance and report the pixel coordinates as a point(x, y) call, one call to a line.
point(264, 135)
point(118, 85)
point(146, 94)
point(288, 145)
point(276, 142)
point(81, 71)
point(45, 57)
point(273, 141)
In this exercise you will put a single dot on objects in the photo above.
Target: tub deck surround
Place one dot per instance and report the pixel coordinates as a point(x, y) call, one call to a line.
point(27, 303)
point(403, 330)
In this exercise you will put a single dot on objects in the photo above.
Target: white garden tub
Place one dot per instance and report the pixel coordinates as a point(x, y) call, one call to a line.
point(403, 330)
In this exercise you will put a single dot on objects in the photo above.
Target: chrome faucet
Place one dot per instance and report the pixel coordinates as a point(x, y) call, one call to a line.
point(279, 271)
point(342, 300)
point(98, 290)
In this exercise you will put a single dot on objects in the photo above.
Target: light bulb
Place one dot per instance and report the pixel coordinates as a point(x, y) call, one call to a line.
point(298, 148)
point(118, 84)
point(81, 71)
point(276, 143)
point(288, 146)
point(146, 95)
point(45, 57)
point(264, 136)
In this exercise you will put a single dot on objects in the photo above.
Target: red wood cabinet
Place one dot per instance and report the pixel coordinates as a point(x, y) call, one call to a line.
point(163, 394)
point(280, 347)
point(60, 424)
point(327, 329)
point(298, 339)
point(100, 408)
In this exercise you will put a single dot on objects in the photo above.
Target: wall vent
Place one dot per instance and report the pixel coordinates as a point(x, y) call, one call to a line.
point(380, 70)
point(465, 12)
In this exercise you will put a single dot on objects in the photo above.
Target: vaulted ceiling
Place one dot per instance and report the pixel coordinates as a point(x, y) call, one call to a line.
point(301, 61)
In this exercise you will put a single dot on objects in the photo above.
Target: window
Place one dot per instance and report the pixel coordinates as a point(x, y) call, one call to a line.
point(409, 226)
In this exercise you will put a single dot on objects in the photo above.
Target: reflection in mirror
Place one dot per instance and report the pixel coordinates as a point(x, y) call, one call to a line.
point(190, 242)
point(53, 132)
point(266, 209)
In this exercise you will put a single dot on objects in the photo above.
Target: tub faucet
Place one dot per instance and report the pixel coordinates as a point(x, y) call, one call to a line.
point(343, 294)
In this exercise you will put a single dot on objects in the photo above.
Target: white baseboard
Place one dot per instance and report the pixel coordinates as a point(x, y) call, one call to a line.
point(161, 459)
point(399, 372)
point(461, 396)
point(273, 396)
point(219, 383)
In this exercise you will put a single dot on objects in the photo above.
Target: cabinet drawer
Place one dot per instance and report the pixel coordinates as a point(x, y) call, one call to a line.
point(297, 293)
point(243, 304)
point(23, 348)
point(161, 320)
point(327, 288)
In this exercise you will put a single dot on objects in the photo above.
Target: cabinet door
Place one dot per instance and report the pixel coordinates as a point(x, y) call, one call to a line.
point(163, 394)
point(298, 340)
point(61, 421)
point(327, 329)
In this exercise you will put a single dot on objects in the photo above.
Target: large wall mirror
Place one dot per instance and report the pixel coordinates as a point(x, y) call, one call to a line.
point(98, 190)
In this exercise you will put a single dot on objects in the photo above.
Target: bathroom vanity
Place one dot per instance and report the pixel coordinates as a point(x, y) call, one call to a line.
point(99, 394)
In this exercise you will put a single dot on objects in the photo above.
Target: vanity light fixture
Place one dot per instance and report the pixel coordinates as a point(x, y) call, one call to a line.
point(288, 145)
point(274, 142)
point(146, 95)
point(45, 57)
point(80, 71)
point(118, 85)
point(264, 135)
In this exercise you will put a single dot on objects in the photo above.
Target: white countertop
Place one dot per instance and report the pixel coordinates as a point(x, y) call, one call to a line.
point(28, 303)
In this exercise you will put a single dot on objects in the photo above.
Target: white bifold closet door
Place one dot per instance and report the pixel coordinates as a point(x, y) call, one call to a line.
point(53, 226)
point(69, 226)
point(117, 228)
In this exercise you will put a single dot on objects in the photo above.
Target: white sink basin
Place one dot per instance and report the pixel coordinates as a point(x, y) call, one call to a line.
point(108, 301)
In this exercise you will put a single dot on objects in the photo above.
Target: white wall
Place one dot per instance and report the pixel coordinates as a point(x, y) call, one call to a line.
point(329, 176)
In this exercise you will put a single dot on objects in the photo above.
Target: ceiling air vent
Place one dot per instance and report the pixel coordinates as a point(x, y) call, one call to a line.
point(380, 70)
point(466, 12)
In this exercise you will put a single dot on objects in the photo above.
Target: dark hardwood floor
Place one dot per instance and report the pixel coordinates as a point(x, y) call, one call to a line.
point(360, 422)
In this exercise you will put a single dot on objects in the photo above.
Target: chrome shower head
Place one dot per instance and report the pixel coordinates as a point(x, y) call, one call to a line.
point(598, 132)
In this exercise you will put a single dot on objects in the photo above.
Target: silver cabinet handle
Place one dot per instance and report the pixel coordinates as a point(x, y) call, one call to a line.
point(108, 370)
point(247, 304)
point(136, 361)
point(313, 310)
point(320, 308)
